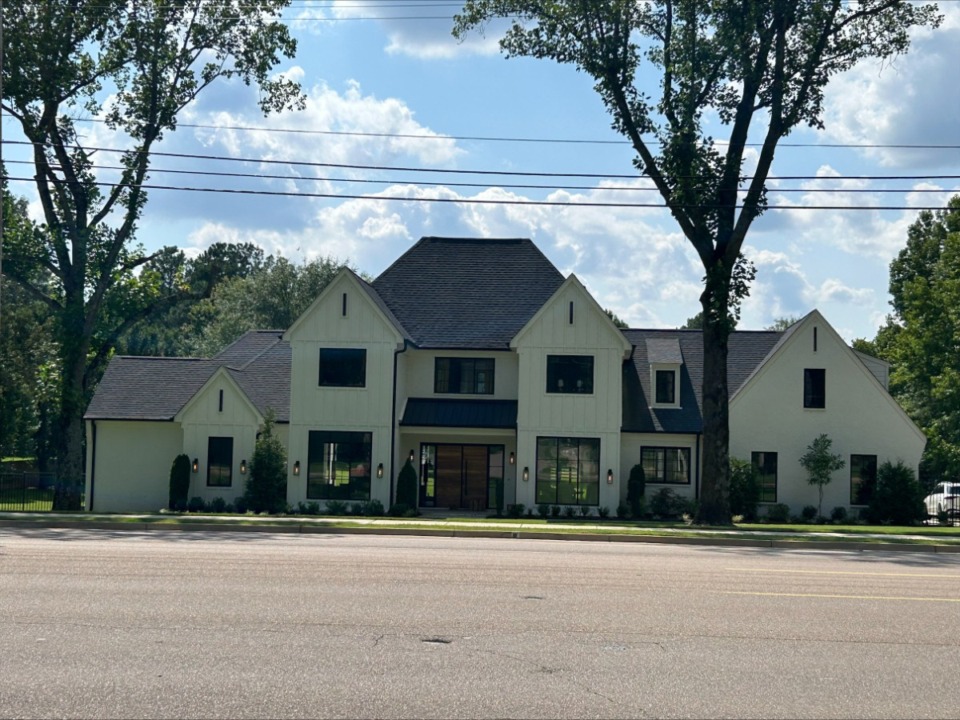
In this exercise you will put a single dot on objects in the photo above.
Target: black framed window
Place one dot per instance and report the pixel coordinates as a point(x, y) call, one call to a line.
point(863, 478)
point(343, 367)
point(668, 465)
point(666, 387)
point(814, 388)
point(765, 464)
point(219, 461)
point(338, 465)
point(569, 373)
point(463, 375)
point(568, 471)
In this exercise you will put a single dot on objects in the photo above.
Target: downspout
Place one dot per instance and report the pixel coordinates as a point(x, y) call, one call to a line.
point(696, 489)
point(93, 463)
point(393, 419)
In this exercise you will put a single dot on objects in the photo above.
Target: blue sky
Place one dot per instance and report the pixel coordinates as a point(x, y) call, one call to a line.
point(409, 77)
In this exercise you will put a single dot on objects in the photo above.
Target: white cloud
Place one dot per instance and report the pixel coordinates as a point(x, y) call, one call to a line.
point(432, 39)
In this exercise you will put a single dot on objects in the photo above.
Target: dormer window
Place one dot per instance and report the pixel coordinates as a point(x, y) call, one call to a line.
point(665, 385)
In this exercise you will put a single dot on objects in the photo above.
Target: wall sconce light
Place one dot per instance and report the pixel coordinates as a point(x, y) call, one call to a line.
point(526, 474)
point(610, 477)
point(513, 458)
point(296, 468)
point(243, 467)
point(379, 471)
point(195, 466)
point(410, 458)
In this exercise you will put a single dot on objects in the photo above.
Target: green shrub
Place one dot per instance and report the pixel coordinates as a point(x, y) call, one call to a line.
point(779, 513)
point(543, 510)
point(838, 514)
point(218, 505)
point(585, 510)
point(407, 486)
point(266, 489)
point(569, 511)
point(623, 510)
point(498, 493)
point(898, 498)
point(179, 483)
point(603, 511)
point(373, 508)
point(240, 505)
point(399, 510)
point(744, 489)
point(515, 510)
point(636, 487)
point(336, 507)
point(196, 504)
point(809, 513)
point(555, 511)
point(667, 504)
point(355, 509)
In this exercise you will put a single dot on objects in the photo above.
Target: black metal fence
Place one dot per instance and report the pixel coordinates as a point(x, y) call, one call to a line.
point(23, 491)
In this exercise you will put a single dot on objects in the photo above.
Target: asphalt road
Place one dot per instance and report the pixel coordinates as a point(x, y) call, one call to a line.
point(192, 624)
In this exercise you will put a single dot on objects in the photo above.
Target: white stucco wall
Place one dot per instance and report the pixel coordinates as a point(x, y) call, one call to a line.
point(133, 460)
point(633, 443)
point(767, 415)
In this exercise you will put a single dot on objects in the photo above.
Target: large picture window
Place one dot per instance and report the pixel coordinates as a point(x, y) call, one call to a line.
point(668, 465)
point(814, 388)
point(463, 375)
point(569, 373)
point(338, 465)
point(343, 367)
point(765, 465)
point(863, 478)
point(219, 462)
point(568, 471)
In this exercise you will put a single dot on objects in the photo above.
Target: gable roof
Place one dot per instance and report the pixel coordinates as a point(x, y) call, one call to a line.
point(747, 350)
point(467, 293)
point(157, 388)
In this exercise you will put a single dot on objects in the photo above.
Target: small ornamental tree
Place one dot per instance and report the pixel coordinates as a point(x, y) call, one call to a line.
point(744, 489)
point(636, 487)
point(266, 489)
point(179, 483)
point(407, 486)
point(820, 465)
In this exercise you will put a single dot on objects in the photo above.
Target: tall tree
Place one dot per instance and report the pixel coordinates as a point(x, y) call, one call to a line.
point(760, 67)
point(921, 337)
point(136, 64)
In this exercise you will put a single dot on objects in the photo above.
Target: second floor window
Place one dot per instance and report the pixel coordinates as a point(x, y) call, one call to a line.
point(472, 376)
point(569, 373)
point(666, 387)
point(343, 368)
point(814, 388)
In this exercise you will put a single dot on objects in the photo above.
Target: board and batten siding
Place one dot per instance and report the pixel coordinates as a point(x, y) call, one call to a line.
point(589, 415)
point(360, 409)
point(419, 373)
point(767, 415)
point(133, 461)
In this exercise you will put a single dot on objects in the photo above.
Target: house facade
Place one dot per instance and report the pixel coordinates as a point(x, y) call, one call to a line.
point(477, 361)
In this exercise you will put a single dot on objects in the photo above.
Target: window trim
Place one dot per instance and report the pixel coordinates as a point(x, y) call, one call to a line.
point(359, 353)
point(210, 465)
point(460, 362)
point(760, 473)
point(554, 367)
point(662, 464)
point(655, 370)
point(810, 395)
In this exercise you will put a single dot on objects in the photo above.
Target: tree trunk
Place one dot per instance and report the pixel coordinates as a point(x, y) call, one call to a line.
point(70, 455)
point(714, 506)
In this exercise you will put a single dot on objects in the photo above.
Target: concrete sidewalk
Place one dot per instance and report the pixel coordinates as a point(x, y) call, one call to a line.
point(464, 527)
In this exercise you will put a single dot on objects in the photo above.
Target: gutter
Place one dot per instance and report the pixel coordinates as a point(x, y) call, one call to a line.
point(394, 421)
point(93, 463)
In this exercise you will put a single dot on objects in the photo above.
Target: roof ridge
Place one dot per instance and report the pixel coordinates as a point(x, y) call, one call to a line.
point(256, 357)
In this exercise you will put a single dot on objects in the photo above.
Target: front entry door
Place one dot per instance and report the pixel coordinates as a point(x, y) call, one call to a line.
point(461, 477)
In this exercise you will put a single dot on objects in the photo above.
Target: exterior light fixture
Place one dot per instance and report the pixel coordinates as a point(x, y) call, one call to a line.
point(380, 471)
point(243, 467)
point(610, 477)
point(410, 458)
point(526, 474)
point(513, 458)
point(296, 468)
point(195, 466)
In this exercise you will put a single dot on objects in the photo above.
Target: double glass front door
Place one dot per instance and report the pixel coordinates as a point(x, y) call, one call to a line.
point(460, 476)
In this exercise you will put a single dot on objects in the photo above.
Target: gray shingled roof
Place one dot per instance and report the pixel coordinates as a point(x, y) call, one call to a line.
point(747, 351)
point(467, 293)
point(451, 412)
point(153, 388)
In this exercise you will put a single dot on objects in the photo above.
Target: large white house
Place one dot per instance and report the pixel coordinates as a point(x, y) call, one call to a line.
point(479, 361)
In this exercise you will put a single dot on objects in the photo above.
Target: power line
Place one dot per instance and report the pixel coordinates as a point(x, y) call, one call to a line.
point(483, 173)
point(479, 201)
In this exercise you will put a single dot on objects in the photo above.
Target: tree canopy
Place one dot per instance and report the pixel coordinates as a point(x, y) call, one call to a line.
point(754, 70)
point(135, 66)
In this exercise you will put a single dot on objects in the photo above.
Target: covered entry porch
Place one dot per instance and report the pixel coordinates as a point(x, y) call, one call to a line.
point(463, 451)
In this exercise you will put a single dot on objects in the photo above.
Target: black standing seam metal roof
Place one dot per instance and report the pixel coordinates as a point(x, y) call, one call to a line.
point(467, 293)
point(466, 413)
